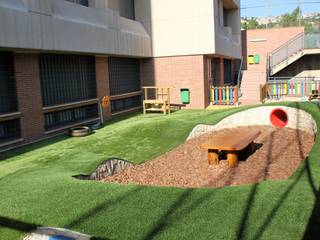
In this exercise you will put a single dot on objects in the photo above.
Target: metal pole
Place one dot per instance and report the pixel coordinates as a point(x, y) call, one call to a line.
point(300, 15)
point(266, 9)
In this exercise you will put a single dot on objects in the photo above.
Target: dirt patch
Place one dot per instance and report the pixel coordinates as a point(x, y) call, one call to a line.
point(279, 152)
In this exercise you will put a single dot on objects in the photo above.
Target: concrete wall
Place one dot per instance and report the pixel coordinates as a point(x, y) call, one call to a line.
point(264, 41)
point(58, 25)
point(307, 66)
point(260, 116)
point(125, 7)
point(189, 27)
point(227, 35)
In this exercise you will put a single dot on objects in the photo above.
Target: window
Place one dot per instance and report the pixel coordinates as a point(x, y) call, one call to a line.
point(124, 7)
point(61, 118)
point(124, 75)
point(67, 78)
point(225, 17)
point(228, 71)
point(125, 104)
point(9, 130)
point(8, 98)
point(80, 2)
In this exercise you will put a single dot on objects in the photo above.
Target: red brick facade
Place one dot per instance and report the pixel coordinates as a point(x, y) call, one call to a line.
point(264, 41)
point(29, 96)
point(102, 78)
point(176, 73)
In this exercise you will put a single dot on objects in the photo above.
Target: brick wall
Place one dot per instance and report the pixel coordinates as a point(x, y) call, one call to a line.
point(102, 77)
point(274, 38)
point(29, 95)
point(176, 73)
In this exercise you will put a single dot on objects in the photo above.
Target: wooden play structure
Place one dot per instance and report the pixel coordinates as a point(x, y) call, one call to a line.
point(232, 143)
point(156, 99)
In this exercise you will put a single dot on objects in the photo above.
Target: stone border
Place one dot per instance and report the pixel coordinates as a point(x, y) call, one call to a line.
point(45, 233)
point(298, 119)
point(107, 168)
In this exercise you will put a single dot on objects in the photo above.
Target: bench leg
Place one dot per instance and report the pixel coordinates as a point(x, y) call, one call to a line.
point(232, 159)
point(213, 157)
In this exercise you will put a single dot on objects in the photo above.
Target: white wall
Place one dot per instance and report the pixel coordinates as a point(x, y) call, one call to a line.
point(58, 25)
point(227, 39)
point(188, 27)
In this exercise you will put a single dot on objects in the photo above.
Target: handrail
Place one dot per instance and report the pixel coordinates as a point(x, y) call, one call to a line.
point(286, 50)
point(239, 72)
point(287, 43)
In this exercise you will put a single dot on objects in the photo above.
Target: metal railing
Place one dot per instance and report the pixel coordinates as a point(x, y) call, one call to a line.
point(312, 41)
point(226, 95)
point(277, 88)
point(286, 50)
point(293, 46)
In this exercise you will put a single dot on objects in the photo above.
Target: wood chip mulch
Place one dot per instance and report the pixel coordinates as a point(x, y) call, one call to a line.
point(278, 154)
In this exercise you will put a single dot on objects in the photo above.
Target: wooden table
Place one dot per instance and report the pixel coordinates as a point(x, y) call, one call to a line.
point(232, 142)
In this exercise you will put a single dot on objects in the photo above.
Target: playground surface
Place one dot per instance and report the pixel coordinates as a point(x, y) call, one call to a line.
point(37, 188)
point(278, 153)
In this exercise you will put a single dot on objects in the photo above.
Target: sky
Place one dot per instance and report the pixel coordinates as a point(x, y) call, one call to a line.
point(255, 8)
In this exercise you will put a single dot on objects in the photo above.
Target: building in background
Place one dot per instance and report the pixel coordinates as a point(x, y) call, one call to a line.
point(286, 54)
point(58, 58)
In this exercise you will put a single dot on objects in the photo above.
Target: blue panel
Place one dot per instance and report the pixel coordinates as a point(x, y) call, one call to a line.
point(57, 237)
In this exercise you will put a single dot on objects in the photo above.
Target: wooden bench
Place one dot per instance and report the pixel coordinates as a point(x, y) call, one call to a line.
point(232, 142)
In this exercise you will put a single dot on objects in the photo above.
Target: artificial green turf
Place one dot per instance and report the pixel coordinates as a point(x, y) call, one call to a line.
point(37, 189)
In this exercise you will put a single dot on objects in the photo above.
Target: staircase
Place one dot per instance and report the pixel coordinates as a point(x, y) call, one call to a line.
point(250, 86)
point(291, 51)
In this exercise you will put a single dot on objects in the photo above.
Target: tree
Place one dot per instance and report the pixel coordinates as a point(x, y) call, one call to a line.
point(250, 23)
point(293, 19)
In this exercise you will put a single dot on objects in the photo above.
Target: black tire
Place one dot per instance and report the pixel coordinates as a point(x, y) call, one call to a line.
point(79, 131)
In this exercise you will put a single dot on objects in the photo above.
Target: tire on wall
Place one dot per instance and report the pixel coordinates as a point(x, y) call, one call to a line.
point(81, 131)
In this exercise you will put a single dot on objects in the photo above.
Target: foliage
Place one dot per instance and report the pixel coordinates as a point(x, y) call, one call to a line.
point(311, 24)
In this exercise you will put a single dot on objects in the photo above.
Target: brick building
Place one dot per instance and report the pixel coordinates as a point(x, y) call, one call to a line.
point(59, 58)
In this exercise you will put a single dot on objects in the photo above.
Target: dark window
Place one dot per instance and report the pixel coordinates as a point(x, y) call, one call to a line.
point(67, 78)
point(227, 71)
point(225, 17)
point(124, 75)
point(8, 98)
point(62, 118)
point(9, 130)
point(80, 2)
point(125, 104)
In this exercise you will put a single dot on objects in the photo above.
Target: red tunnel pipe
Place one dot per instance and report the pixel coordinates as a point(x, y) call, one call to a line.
point(279, 118)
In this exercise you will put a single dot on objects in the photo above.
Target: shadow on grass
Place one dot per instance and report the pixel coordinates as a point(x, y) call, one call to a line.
point(17, 225)
point(312, 230)
point(103, 207)
point(62, 137)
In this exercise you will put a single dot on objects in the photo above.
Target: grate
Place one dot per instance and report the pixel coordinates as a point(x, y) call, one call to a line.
point(80, 2)
point(65, 117)
point(124, 75)
point(67, 78)
point(8, 96)
point(125, 104)
point(9, 130)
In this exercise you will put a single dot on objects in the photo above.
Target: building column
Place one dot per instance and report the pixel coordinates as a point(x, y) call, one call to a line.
point(220, 75)
point(102, 79)
point(29, 97)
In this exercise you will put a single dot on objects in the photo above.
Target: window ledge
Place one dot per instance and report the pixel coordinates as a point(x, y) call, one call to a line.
point(66, 106)
point(64, 128)
point(9, 116)
point(11, 142)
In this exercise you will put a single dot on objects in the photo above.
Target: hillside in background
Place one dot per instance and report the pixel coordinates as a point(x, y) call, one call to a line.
point(310, 21)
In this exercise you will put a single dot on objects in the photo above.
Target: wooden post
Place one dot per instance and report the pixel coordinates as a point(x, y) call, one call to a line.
point(169, 108)
point(232, 159)
point(213, 157)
